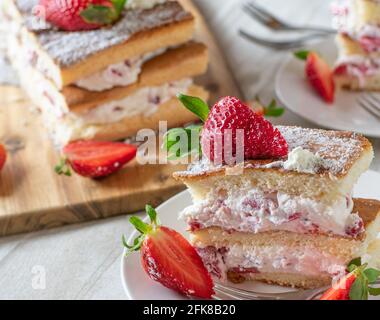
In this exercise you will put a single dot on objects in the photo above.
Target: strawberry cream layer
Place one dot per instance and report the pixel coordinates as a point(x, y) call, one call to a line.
point(357, 66)
point(347, 21)
point(144, 101)
point(253, 211)
point(117, 75)
point(274, 259)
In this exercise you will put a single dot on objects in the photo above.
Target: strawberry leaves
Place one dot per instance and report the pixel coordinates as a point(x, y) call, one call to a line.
point(103, 14)
point(62, 168)
point(142, 227)
point(360, 289)
point(301, 54)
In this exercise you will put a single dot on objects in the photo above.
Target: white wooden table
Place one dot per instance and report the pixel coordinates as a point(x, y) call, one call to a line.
point(83, 261)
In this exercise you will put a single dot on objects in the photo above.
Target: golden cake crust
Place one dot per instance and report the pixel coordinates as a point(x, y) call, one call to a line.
point(183, 62)
point(341, 149)
point(71, 56)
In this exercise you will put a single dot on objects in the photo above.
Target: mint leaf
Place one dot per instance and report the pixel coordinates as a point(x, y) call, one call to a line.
point(302, 54)
point(372, 274)
point(272, 110)
point(195, 105)
point(357, 291)
point(374, 291)
point(181, 142)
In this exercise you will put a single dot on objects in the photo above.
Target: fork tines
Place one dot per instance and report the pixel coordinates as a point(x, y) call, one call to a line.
point(370, 103)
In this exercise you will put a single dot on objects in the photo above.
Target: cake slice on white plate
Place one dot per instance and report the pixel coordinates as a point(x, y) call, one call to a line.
point(286, 215)
point(358, 42)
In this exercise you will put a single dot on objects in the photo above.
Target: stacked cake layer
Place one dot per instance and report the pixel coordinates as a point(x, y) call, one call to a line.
point(108, 83)
point(291, 221)
point(358, 64)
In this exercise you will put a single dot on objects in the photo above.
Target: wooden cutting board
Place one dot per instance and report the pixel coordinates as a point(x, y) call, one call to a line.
point(34, 197)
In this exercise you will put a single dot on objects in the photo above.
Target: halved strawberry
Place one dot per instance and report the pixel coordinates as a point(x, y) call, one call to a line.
point(3, 156)
point(230, 128)
point(320, 76)
point(340, 290)
point(95, 159)
point(167, 257)
point(355, 285)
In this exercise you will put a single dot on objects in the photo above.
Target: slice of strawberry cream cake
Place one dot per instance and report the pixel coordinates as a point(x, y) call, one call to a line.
point(286, 214)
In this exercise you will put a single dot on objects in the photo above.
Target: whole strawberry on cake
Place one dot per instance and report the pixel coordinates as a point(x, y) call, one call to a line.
point(104, 69)
point(275, 204)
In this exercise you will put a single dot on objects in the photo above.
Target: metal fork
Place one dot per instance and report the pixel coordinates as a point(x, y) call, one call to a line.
point(270, 21)
point(280, 45)
point(370, 103)
point(225, 292)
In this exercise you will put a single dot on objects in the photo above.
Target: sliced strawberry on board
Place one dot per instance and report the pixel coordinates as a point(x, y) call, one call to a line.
point(168, 258)
point(355, 285)
point(95, 159)
point(319, 74)
point(3, 156)
point(77, 15)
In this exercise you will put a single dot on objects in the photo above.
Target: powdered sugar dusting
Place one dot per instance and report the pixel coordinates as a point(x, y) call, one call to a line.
point(338, 150)
point(68, 48)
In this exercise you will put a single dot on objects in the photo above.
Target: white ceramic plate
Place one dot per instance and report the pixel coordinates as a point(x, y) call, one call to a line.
point(295, 93)
point(138, 286)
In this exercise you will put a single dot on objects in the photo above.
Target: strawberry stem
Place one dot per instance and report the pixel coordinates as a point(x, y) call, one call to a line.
point(302, 54)
point(142, 227)
point(103, 15)
point(62, 168)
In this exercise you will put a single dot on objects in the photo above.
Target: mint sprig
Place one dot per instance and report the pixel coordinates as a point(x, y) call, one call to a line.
point(195, 105)
point(103, 15)
point(182, 142)
point(143, 228)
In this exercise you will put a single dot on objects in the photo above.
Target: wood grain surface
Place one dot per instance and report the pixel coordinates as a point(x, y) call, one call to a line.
point(33, 196)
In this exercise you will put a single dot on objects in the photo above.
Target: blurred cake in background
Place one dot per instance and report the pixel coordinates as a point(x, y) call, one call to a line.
point(358, 41)
point(106, 83)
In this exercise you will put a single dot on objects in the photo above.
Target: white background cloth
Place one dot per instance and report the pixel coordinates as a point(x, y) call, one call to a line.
point(83, 261)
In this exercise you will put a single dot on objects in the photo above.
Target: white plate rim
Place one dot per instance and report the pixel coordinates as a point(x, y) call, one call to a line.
point(180, 195)
point(279, 95)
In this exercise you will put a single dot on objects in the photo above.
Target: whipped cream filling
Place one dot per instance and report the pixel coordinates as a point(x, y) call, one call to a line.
point(242, 259)
point(251, 210)
point(358, 66)
point(117, 75)
point(302, 160)
point(143, 4)
point(143, 102)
